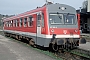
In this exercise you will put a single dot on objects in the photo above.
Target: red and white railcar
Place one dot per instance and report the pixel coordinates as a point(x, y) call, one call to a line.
point(52, 25)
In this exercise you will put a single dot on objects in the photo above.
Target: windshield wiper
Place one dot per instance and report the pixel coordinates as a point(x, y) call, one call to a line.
point(59, 16)
point(67, 16)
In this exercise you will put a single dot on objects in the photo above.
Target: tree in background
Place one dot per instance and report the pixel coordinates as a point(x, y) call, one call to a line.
point(85, 5)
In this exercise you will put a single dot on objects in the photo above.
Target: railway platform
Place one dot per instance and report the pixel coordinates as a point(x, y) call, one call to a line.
point(11, 50)
point(85, 46)
point(85, 34)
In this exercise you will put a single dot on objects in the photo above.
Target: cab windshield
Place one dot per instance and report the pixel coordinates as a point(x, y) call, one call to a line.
point(69, 18)
point(56, 18)
point(62, 18)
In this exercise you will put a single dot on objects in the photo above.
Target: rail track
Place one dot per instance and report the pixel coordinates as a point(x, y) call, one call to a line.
point(81, 52)
point(75, 54)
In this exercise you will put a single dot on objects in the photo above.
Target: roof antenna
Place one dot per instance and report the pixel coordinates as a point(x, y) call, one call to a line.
point(48, 2)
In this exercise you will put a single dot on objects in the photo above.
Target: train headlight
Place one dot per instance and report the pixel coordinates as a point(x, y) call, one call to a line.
point(63, 8)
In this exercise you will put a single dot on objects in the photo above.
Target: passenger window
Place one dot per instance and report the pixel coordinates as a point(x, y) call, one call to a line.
point(14, 23)
point(7, 23)
point(11, 23)
point(25, 22)
point(30, 21)
point(17, 23)
point(21, 22)
point(4, 24)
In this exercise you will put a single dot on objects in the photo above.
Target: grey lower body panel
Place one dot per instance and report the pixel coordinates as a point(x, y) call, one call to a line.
point(38, 40)
point(43, 41)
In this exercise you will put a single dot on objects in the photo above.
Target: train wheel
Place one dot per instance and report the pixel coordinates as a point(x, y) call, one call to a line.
point(32, 43)
point(53, 47)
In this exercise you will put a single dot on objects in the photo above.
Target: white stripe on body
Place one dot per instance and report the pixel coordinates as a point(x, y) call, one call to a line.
point(43, 35)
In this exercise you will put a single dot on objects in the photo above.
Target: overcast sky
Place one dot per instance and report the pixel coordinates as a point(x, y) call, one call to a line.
point(11, 7)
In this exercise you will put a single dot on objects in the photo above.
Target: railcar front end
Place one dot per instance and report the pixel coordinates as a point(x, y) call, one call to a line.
point(63, 27)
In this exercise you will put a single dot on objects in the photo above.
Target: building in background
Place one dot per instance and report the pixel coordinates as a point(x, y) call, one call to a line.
point(84, 12)
point(1, 18)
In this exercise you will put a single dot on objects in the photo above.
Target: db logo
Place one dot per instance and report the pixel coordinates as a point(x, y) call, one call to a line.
point(65, 31)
